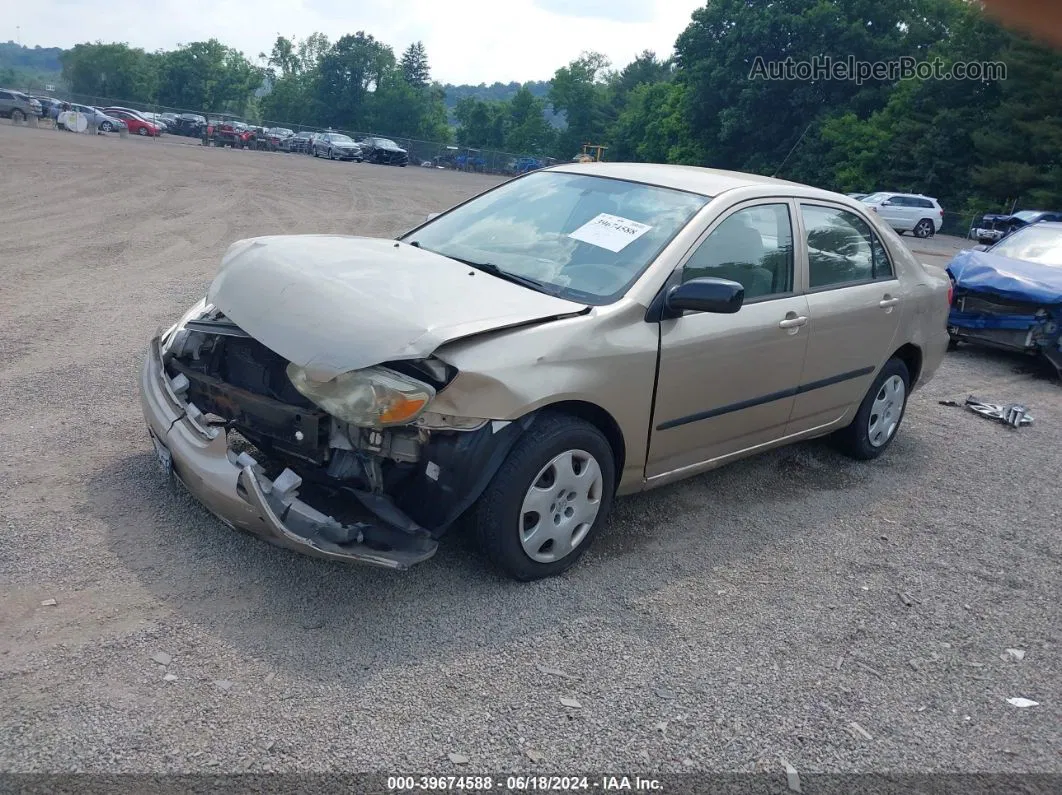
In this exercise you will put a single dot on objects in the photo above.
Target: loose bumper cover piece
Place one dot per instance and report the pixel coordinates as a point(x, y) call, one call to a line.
point(1014, 415)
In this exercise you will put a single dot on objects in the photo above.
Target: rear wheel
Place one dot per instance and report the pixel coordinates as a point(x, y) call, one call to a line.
point(924, 228)
point(17, 116)
point(142, 131)
point(880, 414)
point(548, 500)
point(106, 127)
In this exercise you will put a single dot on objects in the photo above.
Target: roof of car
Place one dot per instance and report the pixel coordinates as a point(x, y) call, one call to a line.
point(706, 181)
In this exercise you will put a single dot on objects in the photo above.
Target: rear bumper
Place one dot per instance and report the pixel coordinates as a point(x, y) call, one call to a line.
point(235, 489)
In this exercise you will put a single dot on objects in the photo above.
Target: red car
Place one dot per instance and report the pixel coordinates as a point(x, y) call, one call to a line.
point(134, 121)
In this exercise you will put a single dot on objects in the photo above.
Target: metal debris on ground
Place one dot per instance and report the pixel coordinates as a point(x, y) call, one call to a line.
point(1012, 414)
point(571, 703)
point(1014, 654)
point(856, 729)
point(49, 603)
point(1022, 702)
point(458, 759)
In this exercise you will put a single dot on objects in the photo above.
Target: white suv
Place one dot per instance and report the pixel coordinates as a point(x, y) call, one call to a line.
point(908, 212)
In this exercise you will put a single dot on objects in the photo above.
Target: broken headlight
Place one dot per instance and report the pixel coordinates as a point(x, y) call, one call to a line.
point(371, 398)
point(170, 334)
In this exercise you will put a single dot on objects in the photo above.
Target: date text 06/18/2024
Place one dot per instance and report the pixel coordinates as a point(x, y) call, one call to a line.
point(472, 784)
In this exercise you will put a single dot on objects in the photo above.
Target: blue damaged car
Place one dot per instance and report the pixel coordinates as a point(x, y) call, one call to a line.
point(1009, 295)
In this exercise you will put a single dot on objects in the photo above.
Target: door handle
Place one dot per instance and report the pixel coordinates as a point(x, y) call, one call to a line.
point(888, 302)
point(792, 322)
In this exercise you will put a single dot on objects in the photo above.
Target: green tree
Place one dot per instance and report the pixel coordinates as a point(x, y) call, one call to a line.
point(481, 124)
point(207, 75)
point(348, 72)
point(579, 91)
point(527, 132)
point(111, 71)
point(415, 65)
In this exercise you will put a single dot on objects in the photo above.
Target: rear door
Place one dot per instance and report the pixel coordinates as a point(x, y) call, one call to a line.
point(895, 211)
point(856, 306)
point(726, 382)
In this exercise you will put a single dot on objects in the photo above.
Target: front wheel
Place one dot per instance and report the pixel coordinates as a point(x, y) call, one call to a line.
point(880, 414)
point(106, 127)
point(549, 498)
point(924, 228)
point(17, 116)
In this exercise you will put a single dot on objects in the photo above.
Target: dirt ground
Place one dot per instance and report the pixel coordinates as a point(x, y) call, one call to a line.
point(848, 617)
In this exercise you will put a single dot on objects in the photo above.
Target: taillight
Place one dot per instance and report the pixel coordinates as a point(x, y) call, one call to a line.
point(951, 291)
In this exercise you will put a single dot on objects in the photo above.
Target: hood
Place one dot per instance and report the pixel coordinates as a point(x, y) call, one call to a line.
point(1018, 280)
point(333, 303)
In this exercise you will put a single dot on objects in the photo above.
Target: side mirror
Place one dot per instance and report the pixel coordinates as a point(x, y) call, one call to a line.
point(430, 216)
point(887, 203)
point(980, 247)
point(720, 296)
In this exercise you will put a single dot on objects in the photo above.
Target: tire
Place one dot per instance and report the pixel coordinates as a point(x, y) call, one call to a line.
point(499, 516)
point(858, 439)
point(331, 154)
point(107, 127)
point(17, 116)
point(315, 152)
point(924, 229)
point(142, 131)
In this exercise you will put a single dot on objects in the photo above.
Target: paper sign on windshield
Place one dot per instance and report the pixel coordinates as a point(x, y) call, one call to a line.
point(610, 232)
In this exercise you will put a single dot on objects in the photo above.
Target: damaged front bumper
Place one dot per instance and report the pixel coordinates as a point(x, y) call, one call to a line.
point(1000, 323)
point(234, 487)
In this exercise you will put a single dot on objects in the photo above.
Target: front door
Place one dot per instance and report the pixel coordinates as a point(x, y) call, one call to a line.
point(726, 383)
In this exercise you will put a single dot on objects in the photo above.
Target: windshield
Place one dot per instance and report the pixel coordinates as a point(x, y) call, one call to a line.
point(875, 198)
point(1041, 244)
point(586, 238)
point(386, 142)
point(341, 139)
point(1026, 215)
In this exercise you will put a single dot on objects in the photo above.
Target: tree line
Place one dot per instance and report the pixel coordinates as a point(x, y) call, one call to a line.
point(974, 144)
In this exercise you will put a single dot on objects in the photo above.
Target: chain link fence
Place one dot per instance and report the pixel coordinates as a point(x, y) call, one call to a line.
point(433, 154)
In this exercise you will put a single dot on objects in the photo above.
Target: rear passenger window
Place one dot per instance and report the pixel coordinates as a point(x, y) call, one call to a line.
point(842, 248)
point(753, 247)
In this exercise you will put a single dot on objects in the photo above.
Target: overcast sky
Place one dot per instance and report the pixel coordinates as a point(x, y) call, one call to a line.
point(468, 41)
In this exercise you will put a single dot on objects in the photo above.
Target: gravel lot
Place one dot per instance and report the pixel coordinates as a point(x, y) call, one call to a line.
point(749, 613)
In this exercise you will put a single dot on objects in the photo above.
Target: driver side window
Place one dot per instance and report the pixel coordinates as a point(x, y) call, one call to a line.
point(753, 247)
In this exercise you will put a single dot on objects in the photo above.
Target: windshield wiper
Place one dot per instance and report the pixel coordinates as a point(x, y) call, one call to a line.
point(515, 278)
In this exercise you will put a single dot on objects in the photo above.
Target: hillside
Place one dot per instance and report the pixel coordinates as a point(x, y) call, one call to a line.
point(499, 92)
point(28, 67)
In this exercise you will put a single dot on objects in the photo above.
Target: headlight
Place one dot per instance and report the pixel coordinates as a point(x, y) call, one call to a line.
point(374, 397)
point(194, 313)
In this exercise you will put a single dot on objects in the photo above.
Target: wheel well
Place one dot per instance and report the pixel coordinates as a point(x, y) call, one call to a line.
point(911, 355)
point(601, 420)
